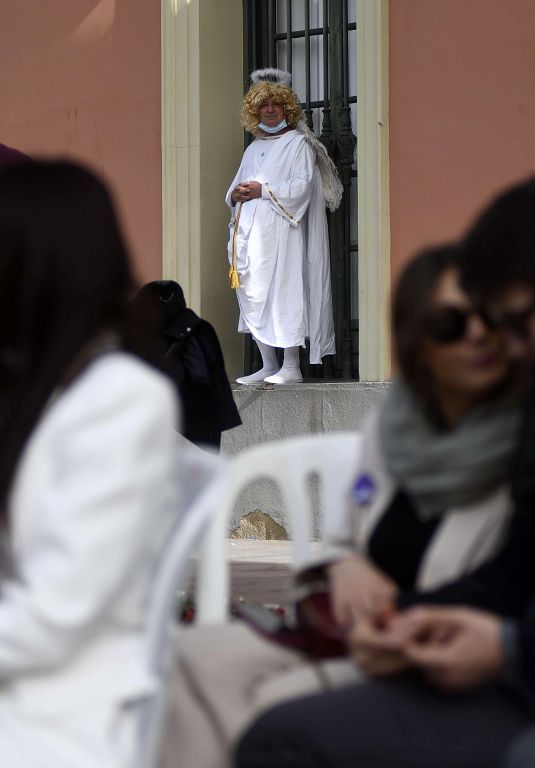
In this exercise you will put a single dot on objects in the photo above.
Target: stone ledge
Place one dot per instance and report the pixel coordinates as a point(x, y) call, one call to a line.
point(272, 412)
point(318, 384)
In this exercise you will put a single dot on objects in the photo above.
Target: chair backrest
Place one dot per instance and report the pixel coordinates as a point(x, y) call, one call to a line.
point(161, 627)
point(289, 463)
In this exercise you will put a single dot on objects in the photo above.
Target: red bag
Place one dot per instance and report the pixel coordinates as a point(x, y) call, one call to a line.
point(313, 631)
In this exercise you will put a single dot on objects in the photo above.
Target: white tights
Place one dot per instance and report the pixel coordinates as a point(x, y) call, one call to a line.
point(289, 373)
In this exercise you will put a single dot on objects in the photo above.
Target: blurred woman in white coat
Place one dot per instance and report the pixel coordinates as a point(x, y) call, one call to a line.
point(87, 446)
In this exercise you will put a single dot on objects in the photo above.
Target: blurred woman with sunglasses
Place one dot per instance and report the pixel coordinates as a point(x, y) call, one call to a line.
point(86, 477)
point(430, 503)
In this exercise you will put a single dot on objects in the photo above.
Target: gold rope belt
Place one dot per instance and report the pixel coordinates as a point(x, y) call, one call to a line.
point(234, 280)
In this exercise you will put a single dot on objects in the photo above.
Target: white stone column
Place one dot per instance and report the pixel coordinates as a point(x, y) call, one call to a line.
point(202, 142)
point(373, 190)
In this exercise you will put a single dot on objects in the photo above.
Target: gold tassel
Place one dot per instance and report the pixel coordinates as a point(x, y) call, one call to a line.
point(233, 278)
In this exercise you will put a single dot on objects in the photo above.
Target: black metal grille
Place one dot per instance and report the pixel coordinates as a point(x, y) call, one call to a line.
point(314, 39)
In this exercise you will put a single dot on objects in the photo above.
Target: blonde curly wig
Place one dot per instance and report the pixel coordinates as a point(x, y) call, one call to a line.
point(258, 94)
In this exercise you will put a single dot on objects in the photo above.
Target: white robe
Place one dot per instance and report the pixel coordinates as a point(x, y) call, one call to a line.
point(282, 247)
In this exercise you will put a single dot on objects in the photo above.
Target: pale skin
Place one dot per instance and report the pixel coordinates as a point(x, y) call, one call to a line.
point(363, 597)
point(370, 646)
point(359, 589)
point(456, 648)
point(271, 114)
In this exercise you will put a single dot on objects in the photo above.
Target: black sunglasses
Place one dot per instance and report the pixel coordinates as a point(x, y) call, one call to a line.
point(449, 324)
point(519, 322)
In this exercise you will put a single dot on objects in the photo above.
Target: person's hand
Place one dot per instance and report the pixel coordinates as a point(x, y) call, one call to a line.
point(246, 190)
point(237, 194)
point(456, 648)
point(252, 189)
point(358, 589)
point(368, 645)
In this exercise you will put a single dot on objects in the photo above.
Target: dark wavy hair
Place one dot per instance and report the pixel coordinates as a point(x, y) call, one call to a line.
point(65, 278)
point(498, 250)
point(410, 310)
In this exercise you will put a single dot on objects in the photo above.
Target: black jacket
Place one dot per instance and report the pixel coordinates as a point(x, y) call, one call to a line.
point(195, 362)
point(189, 351)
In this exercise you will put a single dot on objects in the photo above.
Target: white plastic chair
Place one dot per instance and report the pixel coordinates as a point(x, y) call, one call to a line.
point(172, 573)
point(203, 531)
point(289, 463)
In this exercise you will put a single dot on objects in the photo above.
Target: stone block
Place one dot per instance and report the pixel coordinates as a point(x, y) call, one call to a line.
point(259, 525)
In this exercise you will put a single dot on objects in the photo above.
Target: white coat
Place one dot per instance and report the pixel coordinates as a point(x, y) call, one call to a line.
point(89, 509)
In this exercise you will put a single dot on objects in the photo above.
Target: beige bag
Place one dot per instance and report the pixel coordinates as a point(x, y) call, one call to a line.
point(226, 677)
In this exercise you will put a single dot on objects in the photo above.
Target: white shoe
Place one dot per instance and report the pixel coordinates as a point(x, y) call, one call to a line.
point(255, 378)
point(285, 376)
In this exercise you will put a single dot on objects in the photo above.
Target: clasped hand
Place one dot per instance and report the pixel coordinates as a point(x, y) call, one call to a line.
point(246, 190)
point(455, 648)
point(363, 601)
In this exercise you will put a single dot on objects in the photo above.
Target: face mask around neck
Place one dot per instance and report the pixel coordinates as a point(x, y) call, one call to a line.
point(274, 129)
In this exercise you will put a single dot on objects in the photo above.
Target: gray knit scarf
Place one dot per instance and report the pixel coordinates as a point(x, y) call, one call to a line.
point(441, 469)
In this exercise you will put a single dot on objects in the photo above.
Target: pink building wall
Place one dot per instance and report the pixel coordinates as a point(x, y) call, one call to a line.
point(82, 78)
point(462, 121)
